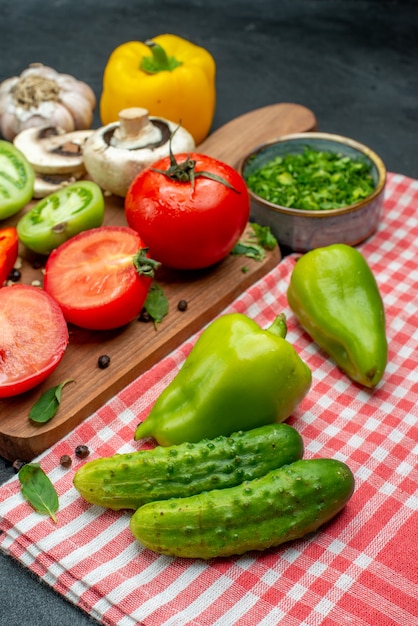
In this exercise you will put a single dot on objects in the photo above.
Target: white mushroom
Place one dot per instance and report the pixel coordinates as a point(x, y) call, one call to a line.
point(116, 153)
point(50, 150)
point(46, 184)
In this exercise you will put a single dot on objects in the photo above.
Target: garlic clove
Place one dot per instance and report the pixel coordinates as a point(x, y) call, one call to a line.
point(60, 117)
point(41, 69)
point(79, 109)
point(8, 84)
point(49, 112)
point(9, 125)
point(69, 84)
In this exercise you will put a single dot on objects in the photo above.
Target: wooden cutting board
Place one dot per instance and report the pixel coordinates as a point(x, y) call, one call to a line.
point(136, 347)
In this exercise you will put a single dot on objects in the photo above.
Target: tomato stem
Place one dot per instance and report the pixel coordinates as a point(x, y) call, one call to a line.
point(144, 265)
point(185, 172)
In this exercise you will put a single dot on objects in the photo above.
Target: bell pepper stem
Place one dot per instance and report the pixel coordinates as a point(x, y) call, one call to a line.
point(279, 326)
point(159, 61)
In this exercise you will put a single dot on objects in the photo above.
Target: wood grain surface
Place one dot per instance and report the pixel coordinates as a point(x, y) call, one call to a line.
point(135, 348)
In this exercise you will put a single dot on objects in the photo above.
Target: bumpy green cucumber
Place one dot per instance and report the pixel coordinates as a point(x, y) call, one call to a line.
point(127, 481)
point(284, 504)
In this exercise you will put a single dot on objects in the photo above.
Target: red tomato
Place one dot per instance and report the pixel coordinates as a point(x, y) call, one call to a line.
point(192, 224)
point(93, 278)
point(33, 338)
point(9, 244)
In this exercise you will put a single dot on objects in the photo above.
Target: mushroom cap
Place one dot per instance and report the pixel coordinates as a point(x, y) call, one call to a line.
point(51, 150)
point(45, 184)
point(116, 153)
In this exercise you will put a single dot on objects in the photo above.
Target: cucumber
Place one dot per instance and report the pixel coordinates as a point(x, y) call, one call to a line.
point(284, 504)
point(128, 481)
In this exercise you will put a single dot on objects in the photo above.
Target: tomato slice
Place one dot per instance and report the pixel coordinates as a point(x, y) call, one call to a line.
point(93, 278)
point(61, 215)
point(17, 179)
point(33, 338)
point(9, 247)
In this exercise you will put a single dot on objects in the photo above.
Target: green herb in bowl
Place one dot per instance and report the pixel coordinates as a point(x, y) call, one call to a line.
point(312, 180)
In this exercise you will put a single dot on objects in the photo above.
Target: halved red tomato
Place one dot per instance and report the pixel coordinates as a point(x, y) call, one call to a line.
point(100, 277)
point(33, 338)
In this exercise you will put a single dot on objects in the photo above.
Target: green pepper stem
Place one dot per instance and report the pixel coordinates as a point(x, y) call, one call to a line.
point(279, 326)
point(159, 61)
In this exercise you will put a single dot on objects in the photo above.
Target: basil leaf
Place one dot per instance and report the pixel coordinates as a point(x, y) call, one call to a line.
point(156, 303)
point(38, 490)
point(46, 407)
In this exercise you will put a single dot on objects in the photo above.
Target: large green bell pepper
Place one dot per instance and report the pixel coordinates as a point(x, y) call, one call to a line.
point(236, 377)
point(335, 297)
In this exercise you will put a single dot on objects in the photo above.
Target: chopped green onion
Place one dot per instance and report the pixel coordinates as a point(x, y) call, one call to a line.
point(313, 180)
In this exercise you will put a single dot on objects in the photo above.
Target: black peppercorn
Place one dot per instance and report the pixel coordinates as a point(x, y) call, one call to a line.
point(18, 464)
point(37, 263)
point(82, 452)
point(103, 361)
point(65, 460)
point(14, 275)
point(182, 305)
point(144, 316)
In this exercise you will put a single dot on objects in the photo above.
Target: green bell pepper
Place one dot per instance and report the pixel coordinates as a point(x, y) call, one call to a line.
point(236, 377)
point(335, 298)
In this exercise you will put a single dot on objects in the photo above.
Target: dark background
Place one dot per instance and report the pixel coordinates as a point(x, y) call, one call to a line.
point(354, 63)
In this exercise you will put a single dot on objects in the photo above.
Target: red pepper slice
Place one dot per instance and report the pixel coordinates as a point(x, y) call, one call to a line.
point(9, 244)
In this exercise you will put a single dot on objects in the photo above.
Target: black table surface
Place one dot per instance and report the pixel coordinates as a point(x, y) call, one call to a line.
point(354, 63)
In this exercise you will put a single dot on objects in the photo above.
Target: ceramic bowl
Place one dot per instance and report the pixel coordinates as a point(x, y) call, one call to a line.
point(302, 230)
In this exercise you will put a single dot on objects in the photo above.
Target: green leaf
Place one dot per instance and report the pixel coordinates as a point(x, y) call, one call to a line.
point(264, 236)
point(255, 244)
point(38, 490)
point(156, 303)
point(250, 250)
point(46, 407)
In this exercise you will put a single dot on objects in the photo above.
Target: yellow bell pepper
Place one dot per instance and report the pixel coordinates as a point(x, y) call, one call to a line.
point(169, 76)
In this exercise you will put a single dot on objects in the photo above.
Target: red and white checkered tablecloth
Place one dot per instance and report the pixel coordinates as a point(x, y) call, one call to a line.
point(361, 569)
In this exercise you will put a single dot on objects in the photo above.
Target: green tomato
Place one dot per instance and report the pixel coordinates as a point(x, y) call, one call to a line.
point(17, 179)
point(61, 215)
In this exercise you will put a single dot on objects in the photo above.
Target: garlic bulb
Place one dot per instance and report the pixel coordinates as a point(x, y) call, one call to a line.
point(40, 96)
